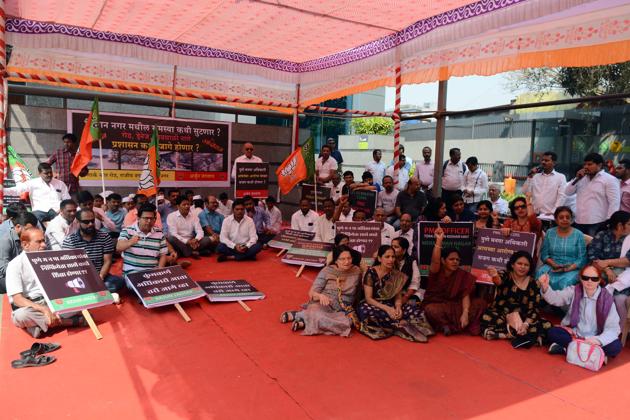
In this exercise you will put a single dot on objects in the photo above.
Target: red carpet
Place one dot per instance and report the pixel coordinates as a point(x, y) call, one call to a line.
point(231, 364)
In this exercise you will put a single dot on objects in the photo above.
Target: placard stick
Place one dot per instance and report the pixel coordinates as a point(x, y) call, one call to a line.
point(92, 324)
point(182, 312)
point(282, 251)
point(247, 308)
point(300, 270)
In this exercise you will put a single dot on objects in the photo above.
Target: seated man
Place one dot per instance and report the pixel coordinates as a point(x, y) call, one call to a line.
point(260, 218)
point(63, 225)
point(238, 236)
point(367, 183)
point(304, 219)
point(30, 310)
point(86, 202)
point(115, 213)
point(406, 231)
point(325, 224)
point(142, 244)
point(387, 231)
point(184, 231)
point(10, 245)
point(132, 215)
point(211, 220)
point(275, 215)
point(99, 247)
point(225, 205)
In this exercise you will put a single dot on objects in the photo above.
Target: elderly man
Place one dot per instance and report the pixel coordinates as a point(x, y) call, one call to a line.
point(247, 157)
point(62, 159)
point(387, 231)
point(238, 236)
point(406, 231)
point(424, 170)
point(211, 220)
point(10, 245)
point(500, 205)
point(325, 224)
point(185, 233)
point(63, 225)
point(30, 310)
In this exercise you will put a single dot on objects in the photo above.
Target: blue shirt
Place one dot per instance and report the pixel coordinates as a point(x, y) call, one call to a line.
point(261, 219)
point(214, 220)
point(117, 218)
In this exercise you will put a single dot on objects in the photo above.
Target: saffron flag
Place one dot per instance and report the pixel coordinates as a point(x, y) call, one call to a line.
point(18, 167)
point(298, 166)
point(150, 175)
point(91, 133)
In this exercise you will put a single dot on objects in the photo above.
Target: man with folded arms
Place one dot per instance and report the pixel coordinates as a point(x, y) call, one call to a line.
point(238, 236)
point(30, 310)
point(184, 231)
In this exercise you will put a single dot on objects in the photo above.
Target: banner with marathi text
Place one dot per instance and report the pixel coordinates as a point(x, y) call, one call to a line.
point(192, 152)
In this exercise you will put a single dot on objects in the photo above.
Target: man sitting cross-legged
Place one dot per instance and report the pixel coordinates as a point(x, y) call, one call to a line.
point(184, 231)
point(30, 310)
point(238, 236)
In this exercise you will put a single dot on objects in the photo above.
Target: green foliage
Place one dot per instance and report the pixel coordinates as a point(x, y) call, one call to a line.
point(509, 197)
point(373, 125)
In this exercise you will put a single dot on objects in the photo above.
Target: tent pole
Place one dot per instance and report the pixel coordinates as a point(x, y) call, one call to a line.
point(295, 143)
point(396, 117)
point(4, 103)
point(440, 129)
point(173, 97)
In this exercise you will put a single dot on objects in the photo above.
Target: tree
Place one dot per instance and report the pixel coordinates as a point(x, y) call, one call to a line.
point(373, 125)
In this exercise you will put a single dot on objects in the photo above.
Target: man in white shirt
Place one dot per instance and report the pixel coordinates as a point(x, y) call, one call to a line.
point(304, 219)
point(336, 189)
point(238, 236)
point(387, 231)
point(387, 199)
point(247, 157)
point(185, 233)
point(30, 310)
point(403, 174)
point(406, 231)
point(546, 186)
point(347, 213)
point(597, 194)
point(500, 205)
point(86, 203)
point(325, 224)
point(325, 166)
point(453, 172)
point(44, 192)
point(225, 205)
point(376, 167)
point(475, 184)
point(424, 170)
point(275, 215)
point(622, 171)
point(64, 224)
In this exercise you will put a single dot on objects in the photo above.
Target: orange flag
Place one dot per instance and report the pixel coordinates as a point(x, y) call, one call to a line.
point(91, 133)
point(150, 175)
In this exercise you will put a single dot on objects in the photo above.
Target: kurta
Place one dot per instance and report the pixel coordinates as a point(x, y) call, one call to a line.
point(567, 250)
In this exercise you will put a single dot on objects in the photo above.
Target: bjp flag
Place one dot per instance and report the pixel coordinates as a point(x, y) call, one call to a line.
point(298, 166)
point(150, 175)
point(91, 133)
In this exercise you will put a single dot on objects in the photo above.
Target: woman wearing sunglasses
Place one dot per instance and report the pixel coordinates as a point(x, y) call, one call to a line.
point(591, 317)
point(563, 251)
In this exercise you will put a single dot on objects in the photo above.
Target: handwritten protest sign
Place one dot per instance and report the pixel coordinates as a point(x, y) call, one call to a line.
point(363, 200)
point(494, 249)
point(310, 253)
point(230, 290)
point(308, 192)
point(458, 235)
point(286, 238)
point(365, 237)
point(251, 179)
point(164, 286)
point(68, 280)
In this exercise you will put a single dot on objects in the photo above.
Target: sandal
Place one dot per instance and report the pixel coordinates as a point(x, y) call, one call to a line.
point(32, 361)
point(287, 316)
point(297, 325)
point(39, 348)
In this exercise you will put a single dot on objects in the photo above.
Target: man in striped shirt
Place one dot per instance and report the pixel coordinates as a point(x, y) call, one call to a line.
point(98, 246)
point(143, 246)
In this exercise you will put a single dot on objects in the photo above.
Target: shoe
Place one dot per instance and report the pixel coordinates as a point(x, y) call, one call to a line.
point(523, 342)
point(222, 258)
point(184, 264)
point(447, 331)
point(489, 334)
point(556, 348)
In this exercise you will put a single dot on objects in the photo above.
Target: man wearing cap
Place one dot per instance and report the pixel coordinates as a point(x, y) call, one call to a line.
point(246, 157)
point(197, 205)
point(127, 203)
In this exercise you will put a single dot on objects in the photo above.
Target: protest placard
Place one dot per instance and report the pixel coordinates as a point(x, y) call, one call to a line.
point(493, 249)
point(309, 253)
point(286, 238)
point(164, 286)
point(458, 235)
point(363, 200)
point(308, 192)
point(68, 280)
point(365, 237)
point(251, 179)
point(230, 290)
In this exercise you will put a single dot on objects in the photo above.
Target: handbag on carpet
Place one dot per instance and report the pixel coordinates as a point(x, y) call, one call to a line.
point(586, 355)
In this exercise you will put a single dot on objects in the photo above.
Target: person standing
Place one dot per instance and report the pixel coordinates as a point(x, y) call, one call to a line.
point(376, 167)
point(62, 159)
point(546, 185)
point(334, 152)
point(453, 172)
point(63, 225)
point(622, 171)
point(45, 193)
point(475, 184)
point(325, 166)
point(597, 194)
point(403, 174)
point(424, 170)
point(246, 157)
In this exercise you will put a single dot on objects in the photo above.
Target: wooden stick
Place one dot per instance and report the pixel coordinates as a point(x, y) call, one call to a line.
point(247, 308)
point(92, 324)
point(182, 312)
point(299, 273)
point(282, 251)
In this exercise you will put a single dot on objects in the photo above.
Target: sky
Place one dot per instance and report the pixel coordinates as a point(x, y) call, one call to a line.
point(463, 93)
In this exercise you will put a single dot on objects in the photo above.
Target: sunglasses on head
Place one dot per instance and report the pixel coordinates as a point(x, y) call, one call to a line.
point(591, 278)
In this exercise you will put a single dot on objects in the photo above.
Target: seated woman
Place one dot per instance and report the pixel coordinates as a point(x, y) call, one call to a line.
point(459, 212)
point(515, 312)
point(407, 265)
point(486, 219)
point(436, 211)
point(341, 239)
point(604, 251)
point(448, 303)
point(382, 313)
point(591, 317)
point(523, 217)
point(563, 251)
point(329, 310)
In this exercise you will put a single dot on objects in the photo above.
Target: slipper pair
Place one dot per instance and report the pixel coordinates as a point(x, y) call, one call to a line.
point(35, 356)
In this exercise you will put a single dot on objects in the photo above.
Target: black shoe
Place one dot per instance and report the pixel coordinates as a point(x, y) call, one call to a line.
point(556, 348)
point(523, 342)
point(222, 258)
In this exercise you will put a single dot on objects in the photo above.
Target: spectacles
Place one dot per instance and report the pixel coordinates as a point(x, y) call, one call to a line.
point(87, 222)
point(249, 149)
point(591, 278)
point(519, 207)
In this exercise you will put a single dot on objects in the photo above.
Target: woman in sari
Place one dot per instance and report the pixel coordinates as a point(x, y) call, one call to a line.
point(523, 218)
point(329, 310)
point(382, 313)
point(448, 303)
point(515, 312)
point(604, 251)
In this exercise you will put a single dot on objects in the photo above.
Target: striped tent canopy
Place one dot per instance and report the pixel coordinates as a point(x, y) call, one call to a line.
point(260, 50)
